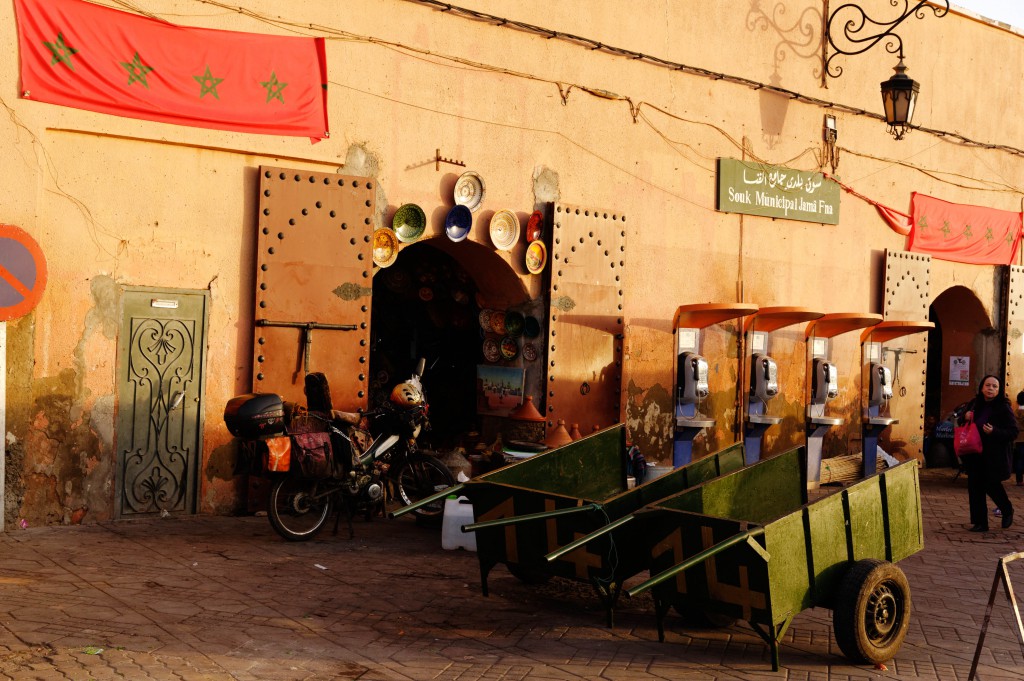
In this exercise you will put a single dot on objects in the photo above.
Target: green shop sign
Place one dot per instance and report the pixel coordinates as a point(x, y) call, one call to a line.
point(776, 192)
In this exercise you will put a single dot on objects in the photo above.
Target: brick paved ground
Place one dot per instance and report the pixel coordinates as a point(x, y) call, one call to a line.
point(224, 598)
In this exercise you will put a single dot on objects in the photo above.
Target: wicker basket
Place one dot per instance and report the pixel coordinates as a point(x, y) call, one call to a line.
point(844, 468)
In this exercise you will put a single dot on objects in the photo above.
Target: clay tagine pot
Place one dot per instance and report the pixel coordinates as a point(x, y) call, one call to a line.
point(526, 411)
point(559, 436)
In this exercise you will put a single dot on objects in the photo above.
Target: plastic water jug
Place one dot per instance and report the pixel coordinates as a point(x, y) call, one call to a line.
point(457, 512)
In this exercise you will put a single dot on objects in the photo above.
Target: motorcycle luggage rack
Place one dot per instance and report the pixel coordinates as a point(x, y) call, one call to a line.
point(307, 333)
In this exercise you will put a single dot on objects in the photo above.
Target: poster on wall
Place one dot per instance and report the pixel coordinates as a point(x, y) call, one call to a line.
point(498, 389)
point(959, 370)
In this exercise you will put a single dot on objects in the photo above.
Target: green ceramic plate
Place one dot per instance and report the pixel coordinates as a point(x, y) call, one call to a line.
point(409, 222)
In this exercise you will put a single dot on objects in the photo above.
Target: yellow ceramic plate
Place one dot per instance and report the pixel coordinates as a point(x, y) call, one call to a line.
point(385, 247)
point(536, 257)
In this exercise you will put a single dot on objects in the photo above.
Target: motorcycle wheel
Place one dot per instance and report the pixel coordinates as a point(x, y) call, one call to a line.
point(420, 477)
point(298, 509)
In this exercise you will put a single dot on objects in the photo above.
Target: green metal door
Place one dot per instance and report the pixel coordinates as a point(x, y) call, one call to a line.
point(161, 354)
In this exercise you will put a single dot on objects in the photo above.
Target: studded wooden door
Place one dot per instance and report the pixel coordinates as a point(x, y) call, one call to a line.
point(313, 283)
point(161, 354)
point(1013, 313)
point(907, 298)
point(585, 330)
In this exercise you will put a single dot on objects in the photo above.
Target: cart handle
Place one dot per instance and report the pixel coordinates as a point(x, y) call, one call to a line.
point(426, 501)
point(572, 546)
point(747, 536)
point(511, 520)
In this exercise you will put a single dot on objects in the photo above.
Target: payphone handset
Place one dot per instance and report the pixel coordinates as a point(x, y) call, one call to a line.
point(824, 382)
point(764, 379)
point(693, 378)
point(881, 384)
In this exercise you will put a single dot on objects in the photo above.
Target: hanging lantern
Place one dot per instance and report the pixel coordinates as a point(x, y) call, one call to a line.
point(899, 96)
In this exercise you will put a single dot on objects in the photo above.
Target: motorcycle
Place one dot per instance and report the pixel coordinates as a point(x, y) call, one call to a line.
point(333, 463)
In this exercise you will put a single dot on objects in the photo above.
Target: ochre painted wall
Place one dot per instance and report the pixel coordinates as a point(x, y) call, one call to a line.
point(116, 202)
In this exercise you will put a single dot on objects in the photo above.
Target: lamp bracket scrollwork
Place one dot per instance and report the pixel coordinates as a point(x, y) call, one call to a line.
point(860, 32)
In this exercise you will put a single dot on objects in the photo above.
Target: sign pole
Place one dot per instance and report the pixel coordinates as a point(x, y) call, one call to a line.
point(22, 282)
point(3, 419)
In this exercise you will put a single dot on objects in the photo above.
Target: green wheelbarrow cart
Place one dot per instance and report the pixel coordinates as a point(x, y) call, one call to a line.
point(749, 546)
point(532, 507)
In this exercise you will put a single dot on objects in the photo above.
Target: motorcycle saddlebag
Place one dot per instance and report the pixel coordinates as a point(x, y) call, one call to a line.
point(255, 415)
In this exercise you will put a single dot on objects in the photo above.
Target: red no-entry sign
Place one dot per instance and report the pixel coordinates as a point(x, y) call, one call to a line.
point(22, 273)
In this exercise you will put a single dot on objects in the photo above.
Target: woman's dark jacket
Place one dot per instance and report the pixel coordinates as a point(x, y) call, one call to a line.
point(996, 446)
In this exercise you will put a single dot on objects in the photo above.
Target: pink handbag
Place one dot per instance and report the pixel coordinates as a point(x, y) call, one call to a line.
point(966, 439)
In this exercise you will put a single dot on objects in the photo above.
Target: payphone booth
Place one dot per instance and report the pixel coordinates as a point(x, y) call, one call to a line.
point(881, 367)
point(692, 370)
point(764, 379)
point(823, 380)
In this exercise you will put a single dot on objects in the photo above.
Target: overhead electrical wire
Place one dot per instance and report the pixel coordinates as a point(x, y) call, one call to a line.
point(598, 46)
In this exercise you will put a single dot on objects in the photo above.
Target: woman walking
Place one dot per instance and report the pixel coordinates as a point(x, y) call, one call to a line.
point(992, 415)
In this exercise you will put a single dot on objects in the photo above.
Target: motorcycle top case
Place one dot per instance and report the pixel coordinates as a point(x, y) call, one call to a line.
point(255, 415)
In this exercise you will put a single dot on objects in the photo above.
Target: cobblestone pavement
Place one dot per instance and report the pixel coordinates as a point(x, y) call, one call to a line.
point(217, 598)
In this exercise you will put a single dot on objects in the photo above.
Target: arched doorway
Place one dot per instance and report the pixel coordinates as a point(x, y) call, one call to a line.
point(427, 305)
point(962, 348)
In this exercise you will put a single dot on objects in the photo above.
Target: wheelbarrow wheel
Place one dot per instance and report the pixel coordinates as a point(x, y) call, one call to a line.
point(529, 574)
point(298, 509)
point(872, 611)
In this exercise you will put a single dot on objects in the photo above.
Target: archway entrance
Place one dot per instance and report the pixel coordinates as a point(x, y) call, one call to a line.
point(427, 305)
point(962, 348)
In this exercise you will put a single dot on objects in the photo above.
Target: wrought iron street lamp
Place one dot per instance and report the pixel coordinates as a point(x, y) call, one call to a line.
point(899, 95)
point(860, 33)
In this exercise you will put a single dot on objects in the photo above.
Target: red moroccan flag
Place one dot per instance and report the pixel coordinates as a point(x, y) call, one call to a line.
point(963, 233)
point(78, 54)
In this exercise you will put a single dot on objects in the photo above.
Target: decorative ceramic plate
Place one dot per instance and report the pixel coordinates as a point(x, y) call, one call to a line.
point(498, 322)
point(409, 222)
point(458, 222)
point(504, 230)
point(531, 327)
point(536, 257)
point(509, 347)
point(485, 319)
point(492, 353)
point(535, 226)
point(385, 247)
point(469, 190)
point(529, 352)
point(517, 456)
point(514, 323)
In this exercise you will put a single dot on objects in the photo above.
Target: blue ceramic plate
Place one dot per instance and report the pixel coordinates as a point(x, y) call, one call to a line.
point(458, 223)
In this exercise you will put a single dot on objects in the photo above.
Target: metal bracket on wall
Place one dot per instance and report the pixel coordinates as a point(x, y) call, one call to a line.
point(438, 160)
point(307, 333)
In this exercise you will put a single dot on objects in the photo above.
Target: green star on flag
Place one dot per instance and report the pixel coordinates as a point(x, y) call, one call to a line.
point(988, 234)
point(137, 70)
point(208, 84)
point(945, 228)
point(274, 88)
point(967, 231)
point(61, 52)
point(1009, 239)
point(923, 222)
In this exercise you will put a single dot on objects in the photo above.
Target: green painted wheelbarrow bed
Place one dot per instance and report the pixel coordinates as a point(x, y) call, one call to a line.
point(749, 546)
point(530, 508)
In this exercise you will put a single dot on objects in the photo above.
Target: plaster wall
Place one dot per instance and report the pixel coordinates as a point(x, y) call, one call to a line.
point(117, 202)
